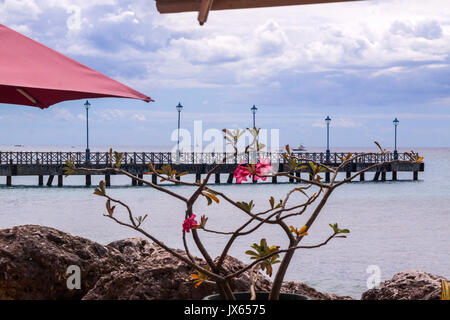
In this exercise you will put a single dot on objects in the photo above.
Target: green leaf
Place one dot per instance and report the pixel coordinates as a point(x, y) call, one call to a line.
point(109, 208)
point(246, 206)
point(272, 202)
point(101, 190)
point(69, 168)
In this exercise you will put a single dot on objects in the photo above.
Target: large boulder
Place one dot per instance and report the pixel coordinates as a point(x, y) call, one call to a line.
point(34, 262)
point(304, 289)
point(153, 273)
point(407, 285)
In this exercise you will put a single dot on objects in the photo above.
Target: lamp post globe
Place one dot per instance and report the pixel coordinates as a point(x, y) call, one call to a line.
point(87, 105)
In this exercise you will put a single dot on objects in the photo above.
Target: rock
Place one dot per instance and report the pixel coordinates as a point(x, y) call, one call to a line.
point(155, 274)
point(150, 274)
point(407, 285)
point(301, 288)
point(34, 262)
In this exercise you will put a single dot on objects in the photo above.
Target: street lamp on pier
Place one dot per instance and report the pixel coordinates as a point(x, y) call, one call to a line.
point(88, 152)
point(179, 108)
point(396, 122)
point(254, 109)
point(328, 154)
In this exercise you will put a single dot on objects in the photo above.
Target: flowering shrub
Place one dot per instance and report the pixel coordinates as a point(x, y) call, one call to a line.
point(271, 259)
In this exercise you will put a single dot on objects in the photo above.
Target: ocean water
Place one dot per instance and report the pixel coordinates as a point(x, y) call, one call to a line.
point(394, 226)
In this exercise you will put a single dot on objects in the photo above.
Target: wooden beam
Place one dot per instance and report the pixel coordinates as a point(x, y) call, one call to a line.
point(173, 6)
point(203, 12)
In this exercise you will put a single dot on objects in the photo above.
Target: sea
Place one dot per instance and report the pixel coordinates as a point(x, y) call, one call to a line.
point(394, 225)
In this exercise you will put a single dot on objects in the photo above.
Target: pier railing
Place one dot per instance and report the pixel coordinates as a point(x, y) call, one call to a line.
point(102, 158)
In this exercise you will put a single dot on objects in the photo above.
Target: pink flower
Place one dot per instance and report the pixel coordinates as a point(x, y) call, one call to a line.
point(263, 168)
point(241, 173)
point(189, 223)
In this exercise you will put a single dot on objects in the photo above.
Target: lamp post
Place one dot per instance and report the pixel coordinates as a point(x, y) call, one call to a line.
point(328, 120)
point(254, 109)
point(396, 122)
point(254, 153)
point(179, 108)
point(88, 152)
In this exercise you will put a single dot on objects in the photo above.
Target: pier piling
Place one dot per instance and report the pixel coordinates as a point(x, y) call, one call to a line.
point(108, 180)
point(60, 180)
point(50, 180)
point(376, 177)
point(40, 180)
point(88, 180)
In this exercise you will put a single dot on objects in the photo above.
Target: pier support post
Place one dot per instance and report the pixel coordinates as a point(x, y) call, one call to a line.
point(298, 175)
point(348, 174)
point(9, 181)
point(274, 179)
point(141, 176)
point(361, 176)
point(133, 182)
point(376, 177)
point(383, 176)
point(49, 180)
point(394, 175)
point(291, 180)
point(416, 175)
point(88, 180)
point(154, 179)
point(198, 177)
point(60, 180)
point(40, 180)
point(327, 176)
point(108, 180)
point(217, 178)
point(230, 178)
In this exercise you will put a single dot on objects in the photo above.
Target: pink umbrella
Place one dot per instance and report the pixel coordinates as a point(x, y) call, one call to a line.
point(35, 75)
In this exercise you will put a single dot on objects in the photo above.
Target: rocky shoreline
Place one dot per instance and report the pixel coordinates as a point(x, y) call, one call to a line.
point(34, 261)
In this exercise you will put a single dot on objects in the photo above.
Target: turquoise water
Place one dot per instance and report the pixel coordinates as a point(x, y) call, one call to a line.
point(394, 225)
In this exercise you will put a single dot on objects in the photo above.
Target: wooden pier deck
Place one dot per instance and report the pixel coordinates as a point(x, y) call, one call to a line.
point(50, 164)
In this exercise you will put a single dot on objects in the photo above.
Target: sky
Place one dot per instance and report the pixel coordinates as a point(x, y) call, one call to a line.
point(361, 63)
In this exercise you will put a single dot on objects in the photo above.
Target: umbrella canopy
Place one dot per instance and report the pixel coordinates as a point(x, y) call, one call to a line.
point(35, 75)
point(204, 6)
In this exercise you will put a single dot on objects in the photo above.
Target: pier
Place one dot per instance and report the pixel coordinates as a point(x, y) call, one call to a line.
point(50, 165)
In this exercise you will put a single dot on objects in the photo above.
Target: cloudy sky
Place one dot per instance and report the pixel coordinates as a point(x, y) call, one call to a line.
point(361, 63)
